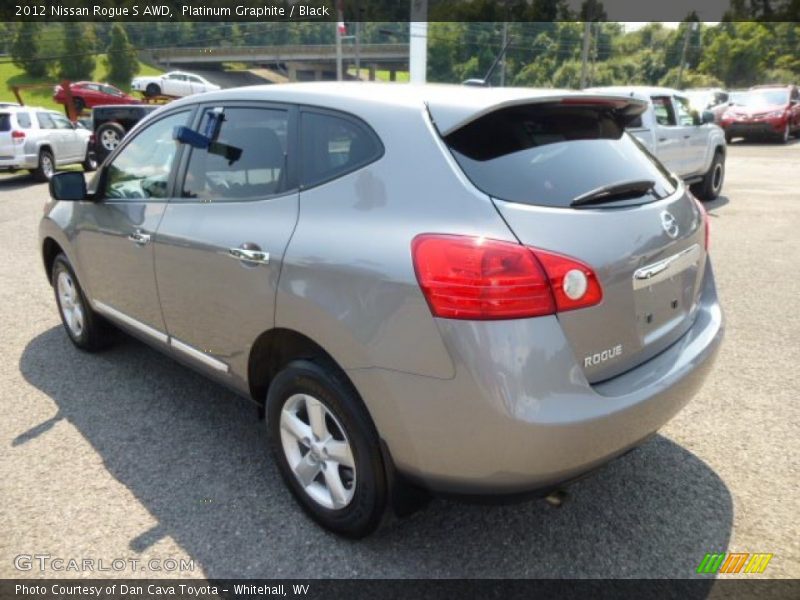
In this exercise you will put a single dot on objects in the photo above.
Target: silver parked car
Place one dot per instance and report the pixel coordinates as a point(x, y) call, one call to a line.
point(429, 288)
point(42, 140)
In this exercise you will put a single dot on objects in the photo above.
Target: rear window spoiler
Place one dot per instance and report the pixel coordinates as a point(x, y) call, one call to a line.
point(452, 117)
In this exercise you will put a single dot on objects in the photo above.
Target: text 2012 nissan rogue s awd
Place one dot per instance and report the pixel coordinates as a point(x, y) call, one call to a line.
point(468, 291)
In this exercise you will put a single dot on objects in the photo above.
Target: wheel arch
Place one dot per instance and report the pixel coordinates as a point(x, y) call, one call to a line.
point(273, 350)
point(50, 249)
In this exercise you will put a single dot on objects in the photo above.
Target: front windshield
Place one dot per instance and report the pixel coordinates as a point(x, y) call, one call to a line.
point(762, 98)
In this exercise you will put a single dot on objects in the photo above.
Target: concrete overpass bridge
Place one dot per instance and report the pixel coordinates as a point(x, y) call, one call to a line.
point(300, 62)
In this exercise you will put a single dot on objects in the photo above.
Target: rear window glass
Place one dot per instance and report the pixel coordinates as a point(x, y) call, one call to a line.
point(5, 122)
point(548, 155)
point(24, 120)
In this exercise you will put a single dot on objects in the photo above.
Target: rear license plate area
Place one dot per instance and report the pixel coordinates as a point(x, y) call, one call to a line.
point(664, 293)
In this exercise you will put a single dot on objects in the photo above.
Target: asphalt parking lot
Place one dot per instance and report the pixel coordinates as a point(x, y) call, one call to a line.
point(127, 454)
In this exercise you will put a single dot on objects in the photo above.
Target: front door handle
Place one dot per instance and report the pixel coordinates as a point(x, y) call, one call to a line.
point(249, 253)
point(139, 238)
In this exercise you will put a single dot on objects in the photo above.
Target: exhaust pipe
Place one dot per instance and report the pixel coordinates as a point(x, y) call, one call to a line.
point(556, 498)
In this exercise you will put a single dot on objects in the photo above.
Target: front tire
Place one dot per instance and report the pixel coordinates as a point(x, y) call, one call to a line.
point(784, 137)
point(327, 448)
point(89, 163)
point(152, 90)
point(711, 185)
point(85, 328)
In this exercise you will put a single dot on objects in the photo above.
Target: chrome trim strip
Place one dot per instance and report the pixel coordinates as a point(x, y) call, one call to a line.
point(199, 356)
point(108, 311)
point(664, 269)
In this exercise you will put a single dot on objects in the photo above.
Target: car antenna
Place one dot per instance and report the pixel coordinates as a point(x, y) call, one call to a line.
point(485, 81)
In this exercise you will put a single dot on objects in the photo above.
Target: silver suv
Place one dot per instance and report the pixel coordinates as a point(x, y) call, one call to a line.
point(429, 288)
point(41, 140)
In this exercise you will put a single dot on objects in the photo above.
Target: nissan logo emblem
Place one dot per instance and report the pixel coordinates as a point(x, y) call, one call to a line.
point(670, 225)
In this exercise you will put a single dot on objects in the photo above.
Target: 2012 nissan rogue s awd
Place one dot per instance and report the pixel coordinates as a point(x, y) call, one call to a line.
point(457, 290)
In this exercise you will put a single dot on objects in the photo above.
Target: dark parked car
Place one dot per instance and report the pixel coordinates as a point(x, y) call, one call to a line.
point(110, 123)
point(88, 94)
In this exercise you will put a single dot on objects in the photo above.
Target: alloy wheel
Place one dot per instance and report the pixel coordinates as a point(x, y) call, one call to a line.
point(69, 300)
point(716, 180)
point(318, 451)
point(47, 165)
point(109, 139)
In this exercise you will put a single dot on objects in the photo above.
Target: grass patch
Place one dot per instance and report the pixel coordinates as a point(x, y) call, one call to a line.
point(11, 75)
point(380, 74)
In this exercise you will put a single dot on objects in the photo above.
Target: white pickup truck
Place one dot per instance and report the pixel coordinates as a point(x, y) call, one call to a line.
point(687, 143)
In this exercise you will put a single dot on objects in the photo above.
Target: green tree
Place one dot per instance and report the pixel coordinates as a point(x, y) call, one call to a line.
point(77, 59)
point(25, 51)
point(122, 62)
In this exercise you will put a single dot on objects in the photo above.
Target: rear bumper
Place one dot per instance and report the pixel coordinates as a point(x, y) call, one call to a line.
point(519, 415)
point(20, 161)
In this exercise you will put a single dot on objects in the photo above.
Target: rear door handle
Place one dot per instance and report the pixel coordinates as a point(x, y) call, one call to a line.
point(139, 238)
point(250, 255)
point(662, 139)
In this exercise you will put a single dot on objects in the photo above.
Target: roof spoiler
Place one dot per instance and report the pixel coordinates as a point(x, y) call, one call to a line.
point(453, 116)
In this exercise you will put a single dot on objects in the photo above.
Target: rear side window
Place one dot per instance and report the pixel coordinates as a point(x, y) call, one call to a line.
point(45, 121)
point(258, 137)
point(24, 120)
point(548, 155)
point(5, 122)
point(332, 146)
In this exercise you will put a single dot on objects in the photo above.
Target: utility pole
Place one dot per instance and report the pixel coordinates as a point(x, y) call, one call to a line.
point(505, 44)
point(587, 36)
point(595, 37)
point(690, 27)
point(358, 49)
point(339, 27)
point(418, 44)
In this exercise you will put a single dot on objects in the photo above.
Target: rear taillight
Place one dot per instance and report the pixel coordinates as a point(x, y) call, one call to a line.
point(574, 284)
point(465, 277)
point(18, 136)
point(706, 223)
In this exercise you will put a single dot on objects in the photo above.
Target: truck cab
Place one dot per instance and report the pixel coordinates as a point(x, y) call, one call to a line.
point(688, 143)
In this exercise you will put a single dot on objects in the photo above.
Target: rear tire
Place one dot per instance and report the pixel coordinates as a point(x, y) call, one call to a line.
point(85, 328)
point(152, 89)
point(314, 417)
point(711, 185)
point(79, 105)
point(46, 168)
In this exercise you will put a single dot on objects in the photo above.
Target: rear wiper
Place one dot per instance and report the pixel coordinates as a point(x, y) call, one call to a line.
point(615, 191)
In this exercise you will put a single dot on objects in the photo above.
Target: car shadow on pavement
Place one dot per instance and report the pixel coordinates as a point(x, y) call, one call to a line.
point(16, 182)
point(193, 454)
point(718, 202)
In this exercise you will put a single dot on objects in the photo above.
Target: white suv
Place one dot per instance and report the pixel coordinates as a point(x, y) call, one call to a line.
point(42, 140)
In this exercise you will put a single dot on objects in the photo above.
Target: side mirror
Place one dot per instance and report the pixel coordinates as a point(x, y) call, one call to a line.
point(708, 116)
point(69, 185)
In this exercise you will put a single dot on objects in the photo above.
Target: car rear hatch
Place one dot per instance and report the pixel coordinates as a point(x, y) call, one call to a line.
point(7, 144)
point(568, 179)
